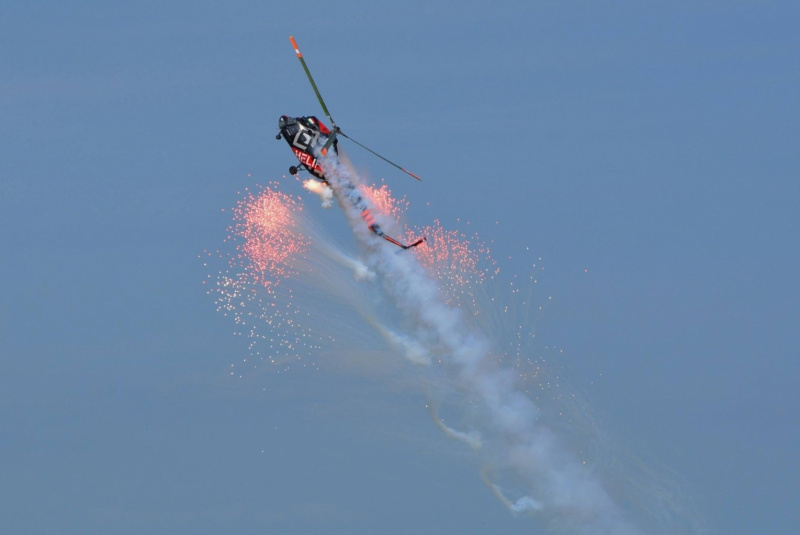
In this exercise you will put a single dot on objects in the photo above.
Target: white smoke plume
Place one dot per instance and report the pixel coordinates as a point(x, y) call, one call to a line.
point(548, 480)
point(325, 193)
point(476, 395)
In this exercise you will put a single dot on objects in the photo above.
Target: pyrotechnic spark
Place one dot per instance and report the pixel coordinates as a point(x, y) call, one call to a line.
point(381, 199)
point(458, 266)
point(268, 249)
point(269, 237)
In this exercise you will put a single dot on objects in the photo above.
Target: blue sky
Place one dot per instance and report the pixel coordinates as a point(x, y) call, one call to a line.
point(646, 153)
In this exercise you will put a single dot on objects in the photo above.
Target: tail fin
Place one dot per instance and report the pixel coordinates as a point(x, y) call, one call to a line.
point(418, 242)
point(377, 230)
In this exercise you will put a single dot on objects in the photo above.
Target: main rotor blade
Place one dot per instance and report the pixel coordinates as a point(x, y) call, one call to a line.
point(311, 79)
point(406, 171)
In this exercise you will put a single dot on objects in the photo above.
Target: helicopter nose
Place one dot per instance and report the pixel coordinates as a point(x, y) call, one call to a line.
point(282, 121)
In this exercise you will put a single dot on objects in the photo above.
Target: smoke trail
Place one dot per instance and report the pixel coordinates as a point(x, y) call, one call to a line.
point(448, 331)
point(565, 491)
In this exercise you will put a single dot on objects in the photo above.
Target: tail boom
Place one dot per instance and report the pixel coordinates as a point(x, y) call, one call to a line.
point(369, 219)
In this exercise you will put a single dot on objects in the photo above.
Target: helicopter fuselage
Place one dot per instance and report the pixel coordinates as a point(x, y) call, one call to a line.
point(304, 135)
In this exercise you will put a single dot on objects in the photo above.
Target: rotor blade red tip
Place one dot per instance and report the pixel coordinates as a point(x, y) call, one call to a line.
point(412, 174)
point(294, 45)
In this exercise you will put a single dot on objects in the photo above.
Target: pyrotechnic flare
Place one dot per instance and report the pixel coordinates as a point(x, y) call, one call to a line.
point(270, 237)
point(270, 249)
point(384, 203)
point(325, 193)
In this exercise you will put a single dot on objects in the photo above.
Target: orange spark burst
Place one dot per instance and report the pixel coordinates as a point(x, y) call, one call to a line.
point(268, 225)
point(382, 201)
point(457, 265)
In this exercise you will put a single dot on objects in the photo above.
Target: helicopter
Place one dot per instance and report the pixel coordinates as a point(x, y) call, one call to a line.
point(306, 134)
